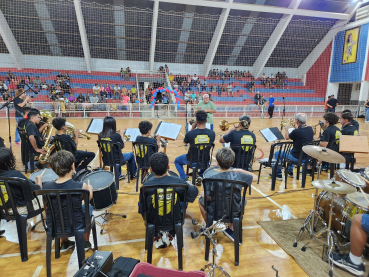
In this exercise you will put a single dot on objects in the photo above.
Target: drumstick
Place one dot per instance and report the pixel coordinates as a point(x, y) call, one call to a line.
point(43, 172)
point(366, 181)
point(364, 194)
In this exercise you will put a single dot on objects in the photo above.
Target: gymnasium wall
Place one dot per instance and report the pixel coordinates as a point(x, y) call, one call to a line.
point(349, 72)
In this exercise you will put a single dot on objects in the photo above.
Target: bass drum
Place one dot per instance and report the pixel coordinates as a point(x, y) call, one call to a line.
point(323, 202)
point(105, 194)
point(150, 176)
point(48, 176)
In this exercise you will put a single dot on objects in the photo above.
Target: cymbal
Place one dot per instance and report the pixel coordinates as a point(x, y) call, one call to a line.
point(323, 154)
point(334, 186)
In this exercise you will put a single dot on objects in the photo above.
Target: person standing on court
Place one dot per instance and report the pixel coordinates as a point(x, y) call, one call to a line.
point(326, 108)
point(209, 107)
point(20, 101)
point(332, 103)
point(271, 105)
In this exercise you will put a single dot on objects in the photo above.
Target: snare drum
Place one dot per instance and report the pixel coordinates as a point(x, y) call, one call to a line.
point(349, 177)
point(212, 171)
point(150, 176)
point(103, 183)
point(48, 176)
point(355, 204)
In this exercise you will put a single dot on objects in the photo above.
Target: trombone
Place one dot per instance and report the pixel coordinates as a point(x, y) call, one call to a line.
point(284, 123)
point(224, 125)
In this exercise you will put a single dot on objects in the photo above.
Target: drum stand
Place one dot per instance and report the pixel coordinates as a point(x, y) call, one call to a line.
point(312, 218)
point(106, 215)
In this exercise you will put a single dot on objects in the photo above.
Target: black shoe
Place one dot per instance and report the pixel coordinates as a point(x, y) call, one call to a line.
point(309, 172)
point(133, 176)
point(279, 176)
point(2, 232)
point(344, 262)
point(65, 245)
point(87, 245)
point(121, 177)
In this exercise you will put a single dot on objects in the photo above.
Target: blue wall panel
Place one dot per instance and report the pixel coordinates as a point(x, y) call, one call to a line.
point(348, 72)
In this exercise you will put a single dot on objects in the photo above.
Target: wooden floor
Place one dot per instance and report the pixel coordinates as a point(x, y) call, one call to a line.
point(125, 237)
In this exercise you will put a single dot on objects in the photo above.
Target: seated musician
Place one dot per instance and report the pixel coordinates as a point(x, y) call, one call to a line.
point(347, 127)
point(330, 134)
point(239, 134)
point(145, 128)
point(62, 163)
point(195, 136)
point(159, 164)
point(83, 158)
point(299, 136)
point(353, 262)
point(353, 121)
point(34, 134)
point(225, 158)
point(7, 169)
point(109, 133)
point(24, 120)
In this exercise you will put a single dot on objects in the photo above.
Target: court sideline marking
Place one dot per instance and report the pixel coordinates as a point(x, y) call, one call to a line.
point(37, 271)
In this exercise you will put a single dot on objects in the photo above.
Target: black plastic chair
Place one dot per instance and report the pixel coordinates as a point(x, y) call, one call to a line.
point(26, 151)
point(168, 221)
point(304, 165)
point(204, 152)
point(10, 211)
point(108, 148)
point(281, 161)
point(226, 209)
point(244, 156)
point(55, 201)
point(63, 144)
point(143, 155)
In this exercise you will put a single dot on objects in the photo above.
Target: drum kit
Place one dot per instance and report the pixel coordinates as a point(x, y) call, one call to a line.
point(339, 200)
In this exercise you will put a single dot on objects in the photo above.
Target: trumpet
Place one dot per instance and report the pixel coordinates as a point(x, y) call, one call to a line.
point(284, 123)
point(126, 137)
point(224, 125)
point(71, 129)
point(163, 142)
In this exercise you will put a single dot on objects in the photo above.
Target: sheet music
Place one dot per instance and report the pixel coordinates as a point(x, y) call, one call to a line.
point(189, 126)
point(96, 126)
point(133, 132)
point(268, 135)
point(168, 130)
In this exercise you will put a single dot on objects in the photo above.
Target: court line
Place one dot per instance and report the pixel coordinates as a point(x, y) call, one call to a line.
point(37, 271)
point(251, 227)
point(275, 203)
point(93, 161)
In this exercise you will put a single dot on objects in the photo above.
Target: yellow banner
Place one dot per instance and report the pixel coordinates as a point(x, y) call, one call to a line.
point(350, 46)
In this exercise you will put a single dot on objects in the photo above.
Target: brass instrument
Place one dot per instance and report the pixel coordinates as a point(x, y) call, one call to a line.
point(71, 129)
point(43, 158)
point(126, 137)
point(322, 126)
point(192, 121)
point(284, 123)
point(45, 116)
point(163, 142)
point(224, 125)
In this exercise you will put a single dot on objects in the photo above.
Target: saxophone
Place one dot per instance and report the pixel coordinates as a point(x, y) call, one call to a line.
point(71, 129)
point(43, 158)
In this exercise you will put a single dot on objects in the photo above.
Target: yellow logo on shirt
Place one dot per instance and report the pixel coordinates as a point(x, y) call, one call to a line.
point(247, 139)
point(202, 139)
point(337, 136)
point(356, 133)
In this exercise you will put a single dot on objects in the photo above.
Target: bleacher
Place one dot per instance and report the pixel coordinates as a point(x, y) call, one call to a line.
point(82, 82)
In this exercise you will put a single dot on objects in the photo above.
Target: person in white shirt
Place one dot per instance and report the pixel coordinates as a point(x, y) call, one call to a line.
point(187, 96)
point(194, 77)
point(95, 89)
point(263, 77)
point(116, 91)
point(229, 90)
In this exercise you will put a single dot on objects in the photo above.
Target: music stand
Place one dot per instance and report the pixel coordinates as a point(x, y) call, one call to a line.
point(168, 131)
point(271, 134)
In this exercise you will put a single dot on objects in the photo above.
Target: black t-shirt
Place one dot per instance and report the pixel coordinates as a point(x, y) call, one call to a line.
point(349, 130)
point(115, 137)
point(355, 123)
point(210, 191)
point(333, 102)
point(191, 195)
point(240, 137)
point(330, 134)
point(81, 99)
point(146, 140)
point(31, 129)
point(78, 212)
point(18, 193)
point(18, 109)
point(69, 139)
point(299, 137)
point(257, 96)
point(198, 136)
point(22, 123)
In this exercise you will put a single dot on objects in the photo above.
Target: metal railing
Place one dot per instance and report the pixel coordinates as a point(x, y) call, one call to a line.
point(144, 110)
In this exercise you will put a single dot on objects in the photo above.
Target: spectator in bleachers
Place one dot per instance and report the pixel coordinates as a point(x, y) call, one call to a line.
point(11, 88)
point(226, 74)
point(37, 82)
point(127, 74)
point(171, 78)
point(249, 75)
point(122, 73)
point(60, 77)
point(102, 99)
point(65, 87)
point(81, 98)
point(210, 75)
point(278, 82)
point(125, 100)
point(29, 81)
point(101, 90)
point(166, 68)
point(267, 82)
point(263, 78)
point(285, 82)
point(284, 75)
point(193, 97)
point(220, 75)
point(67, 78)
point(116, 92)
point(72, 99)
point(219, 90)
point(257, 98)
point(229, 89)
point(94, 99)
point(54, 96)
point(161, 69)
point(22, 83)
point(278, 75)
point(271, 80)
point(147, 95)
point(134, 91)
point(5, 96)
point(45, 87)
point(108, 90)
point(63, 110)
point(199, 96)
point(87, 98)
point(86, 105)
point(231, 74)
point(133, 98)
point(124, 90)
point(3, 88)
point(213, 88)
point(204, 85)
point(52, 89)
point(10, 76)
point(95, 88)
point(58, 89)
point(175, 86)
